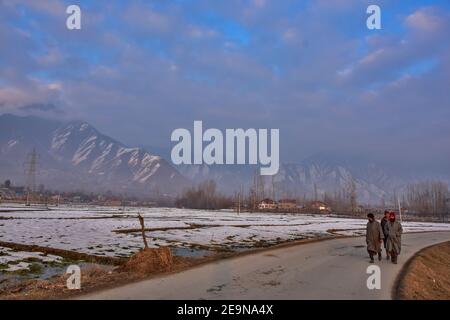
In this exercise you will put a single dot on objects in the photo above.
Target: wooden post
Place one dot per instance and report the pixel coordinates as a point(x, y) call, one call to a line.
point(141, 221)
point(239, 203)
point(399, 209)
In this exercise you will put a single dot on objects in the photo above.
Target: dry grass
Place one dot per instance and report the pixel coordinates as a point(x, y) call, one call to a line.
point(149, 261)
point(427, 275)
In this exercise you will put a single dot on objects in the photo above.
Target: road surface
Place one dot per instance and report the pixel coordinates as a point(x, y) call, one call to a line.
point(332, 269)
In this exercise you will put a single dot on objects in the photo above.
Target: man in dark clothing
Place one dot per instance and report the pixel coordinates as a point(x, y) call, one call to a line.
point(383, 225)
point(374, 237)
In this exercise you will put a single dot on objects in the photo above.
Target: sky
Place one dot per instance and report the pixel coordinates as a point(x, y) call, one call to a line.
point(137, 70)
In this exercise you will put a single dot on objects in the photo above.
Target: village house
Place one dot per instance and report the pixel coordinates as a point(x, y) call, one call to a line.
point(320, 206)
point(267, 204)
point(7, 194)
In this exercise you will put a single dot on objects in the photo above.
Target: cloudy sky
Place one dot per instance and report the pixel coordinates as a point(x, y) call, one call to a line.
point(140, 69)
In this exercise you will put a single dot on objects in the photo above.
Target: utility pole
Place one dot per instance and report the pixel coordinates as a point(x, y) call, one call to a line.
point(447, 200)
point(399, 209)
point(273, 189)
point(31, 166)
point(239, 203)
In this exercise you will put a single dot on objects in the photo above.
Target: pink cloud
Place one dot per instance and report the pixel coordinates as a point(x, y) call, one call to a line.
point(426, 20)
point(51, 7)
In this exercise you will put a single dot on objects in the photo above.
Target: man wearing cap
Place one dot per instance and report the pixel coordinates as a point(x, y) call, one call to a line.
point(374, 237)
point(394, 232)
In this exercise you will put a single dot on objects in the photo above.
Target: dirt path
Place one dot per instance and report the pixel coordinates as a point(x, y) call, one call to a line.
point(334, 269)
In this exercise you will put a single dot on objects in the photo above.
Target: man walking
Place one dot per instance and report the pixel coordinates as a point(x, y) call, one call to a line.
point(374, 237)
point(394, 232)
point(383, 227)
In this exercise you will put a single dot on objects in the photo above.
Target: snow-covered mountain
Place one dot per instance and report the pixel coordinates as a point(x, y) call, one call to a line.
point(75, 155)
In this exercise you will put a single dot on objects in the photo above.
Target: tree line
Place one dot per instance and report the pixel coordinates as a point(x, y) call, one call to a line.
point(429, 197)
point(204, 196)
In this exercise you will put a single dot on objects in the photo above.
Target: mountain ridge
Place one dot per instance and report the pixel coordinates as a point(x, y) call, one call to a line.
point(75, 155)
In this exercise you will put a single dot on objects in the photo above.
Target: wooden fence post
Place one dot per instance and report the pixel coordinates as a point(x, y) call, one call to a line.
point(141, 221)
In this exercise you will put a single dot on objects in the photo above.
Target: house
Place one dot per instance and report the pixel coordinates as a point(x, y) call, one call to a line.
point(320, 206)
point(7, 194)
point(267, 204)
point(287, 204)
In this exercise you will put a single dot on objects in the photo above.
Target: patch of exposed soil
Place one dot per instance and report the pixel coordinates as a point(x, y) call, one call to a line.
point(427, 275)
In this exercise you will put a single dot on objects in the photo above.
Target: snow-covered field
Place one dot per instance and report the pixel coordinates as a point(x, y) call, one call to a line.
point(90, 229)
point(13, 260)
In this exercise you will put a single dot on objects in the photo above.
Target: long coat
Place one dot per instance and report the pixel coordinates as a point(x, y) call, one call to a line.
point(383, 223)
point(394, 232)
point(374, 235)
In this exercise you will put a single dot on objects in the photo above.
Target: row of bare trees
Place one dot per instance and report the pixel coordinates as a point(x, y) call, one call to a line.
point(204, 196)
point(431, 197)
point(259, 190)
point(344, 199)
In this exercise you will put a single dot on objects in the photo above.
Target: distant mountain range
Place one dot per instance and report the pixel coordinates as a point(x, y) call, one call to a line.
point(76, 156)
point(316, 175)
point(300, 180)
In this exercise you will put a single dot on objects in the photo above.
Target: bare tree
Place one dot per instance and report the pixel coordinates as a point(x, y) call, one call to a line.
point(353, 197)
point(204, 196)
point(429, 197)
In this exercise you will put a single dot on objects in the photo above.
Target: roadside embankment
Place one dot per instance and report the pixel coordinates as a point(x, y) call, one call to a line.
point(427, 275)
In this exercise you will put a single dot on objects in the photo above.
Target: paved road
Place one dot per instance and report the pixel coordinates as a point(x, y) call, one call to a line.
point(334, 269)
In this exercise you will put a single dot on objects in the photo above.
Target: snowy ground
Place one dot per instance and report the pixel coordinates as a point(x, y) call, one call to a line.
point(90, 229)
point(11, 260)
